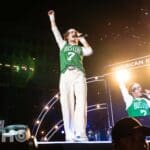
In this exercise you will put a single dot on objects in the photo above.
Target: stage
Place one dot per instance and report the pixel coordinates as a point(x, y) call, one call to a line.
point(91, 145)
point(59, 145)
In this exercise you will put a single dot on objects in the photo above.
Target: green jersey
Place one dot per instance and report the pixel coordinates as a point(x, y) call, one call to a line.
point(138, 108)
point(71, 55)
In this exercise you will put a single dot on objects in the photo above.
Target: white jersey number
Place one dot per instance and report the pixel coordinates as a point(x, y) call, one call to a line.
point(143, 112)
point(70, 55)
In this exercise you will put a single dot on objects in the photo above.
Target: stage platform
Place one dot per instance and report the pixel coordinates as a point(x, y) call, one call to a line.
point(60, 145)
point(92, 145)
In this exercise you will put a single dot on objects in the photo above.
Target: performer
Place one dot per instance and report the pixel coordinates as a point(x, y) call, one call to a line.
point(137, 102)
point(73, 86)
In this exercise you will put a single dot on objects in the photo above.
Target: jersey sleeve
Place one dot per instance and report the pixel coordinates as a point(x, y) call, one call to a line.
point(126, 96)
point(148, 102)
point(87, 51)
point(58, 38)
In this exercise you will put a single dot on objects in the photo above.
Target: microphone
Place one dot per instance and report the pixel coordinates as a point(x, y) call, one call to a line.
point(145, 95)
point(81, 35)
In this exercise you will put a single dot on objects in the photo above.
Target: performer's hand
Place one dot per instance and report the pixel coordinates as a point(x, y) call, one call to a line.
point(147, 93)
point(80, 37)
point(51, 12)
point(79, 34)
point(51, 15)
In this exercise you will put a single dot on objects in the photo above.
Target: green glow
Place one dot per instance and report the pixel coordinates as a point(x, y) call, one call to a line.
point(17, 68)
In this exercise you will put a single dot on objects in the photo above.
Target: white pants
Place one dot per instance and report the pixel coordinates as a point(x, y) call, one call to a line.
point(73, 99)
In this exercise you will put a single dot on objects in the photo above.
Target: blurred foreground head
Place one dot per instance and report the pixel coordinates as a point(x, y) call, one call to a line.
point(129, 134)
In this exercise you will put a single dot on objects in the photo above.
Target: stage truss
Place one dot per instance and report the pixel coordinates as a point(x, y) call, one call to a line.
point(109, 70)
point(58, 125)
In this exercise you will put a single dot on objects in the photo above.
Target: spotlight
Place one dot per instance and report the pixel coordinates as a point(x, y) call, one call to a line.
point(122, 75)
point(45, 139)
point(7, 65)
point(46, 107)
point(62, 132)
point(56, 127)
point(42, 132)
point(31, 69)
point(96, 78)
point(16, 68)
point(37, 122)
point(57, 96)
point(98, 106)
point(24, 68)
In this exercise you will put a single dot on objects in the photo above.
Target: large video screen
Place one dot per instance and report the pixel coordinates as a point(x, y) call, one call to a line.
point(130, 92)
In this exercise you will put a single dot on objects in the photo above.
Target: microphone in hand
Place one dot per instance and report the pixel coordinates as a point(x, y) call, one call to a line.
point(81, 35)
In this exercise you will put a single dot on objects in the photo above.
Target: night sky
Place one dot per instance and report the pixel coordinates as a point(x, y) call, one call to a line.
point(117, 30)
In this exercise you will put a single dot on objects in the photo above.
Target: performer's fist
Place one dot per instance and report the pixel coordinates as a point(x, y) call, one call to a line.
point(51, 12)
point(79, 34)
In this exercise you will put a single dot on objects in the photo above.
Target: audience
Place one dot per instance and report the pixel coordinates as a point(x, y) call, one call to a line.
point(129, 134)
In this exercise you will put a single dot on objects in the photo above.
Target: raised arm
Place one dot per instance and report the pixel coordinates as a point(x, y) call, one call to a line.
point(147, 94)
point(126, 96)
point(55, 29)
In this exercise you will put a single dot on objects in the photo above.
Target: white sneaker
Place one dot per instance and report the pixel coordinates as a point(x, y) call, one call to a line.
point(69, 140)
point(81, 139)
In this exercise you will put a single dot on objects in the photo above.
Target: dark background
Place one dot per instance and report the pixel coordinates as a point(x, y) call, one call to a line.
point(117, 30)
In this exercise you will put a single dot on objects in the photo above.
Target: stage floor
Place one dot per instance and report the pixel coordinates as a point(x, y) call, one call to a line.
point(60, 145)
point(72, 142)
point(63, 145)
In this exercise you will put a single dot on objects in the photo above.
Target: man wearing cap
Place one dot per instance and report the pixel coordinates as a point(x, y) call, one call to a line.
point(73, 87)
point(129, 134)
point(137, 102)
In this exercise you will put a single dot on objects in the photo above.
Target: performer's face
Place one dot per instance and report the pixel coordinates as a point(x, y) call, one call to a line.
point(72, 36)
point(136, 90)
